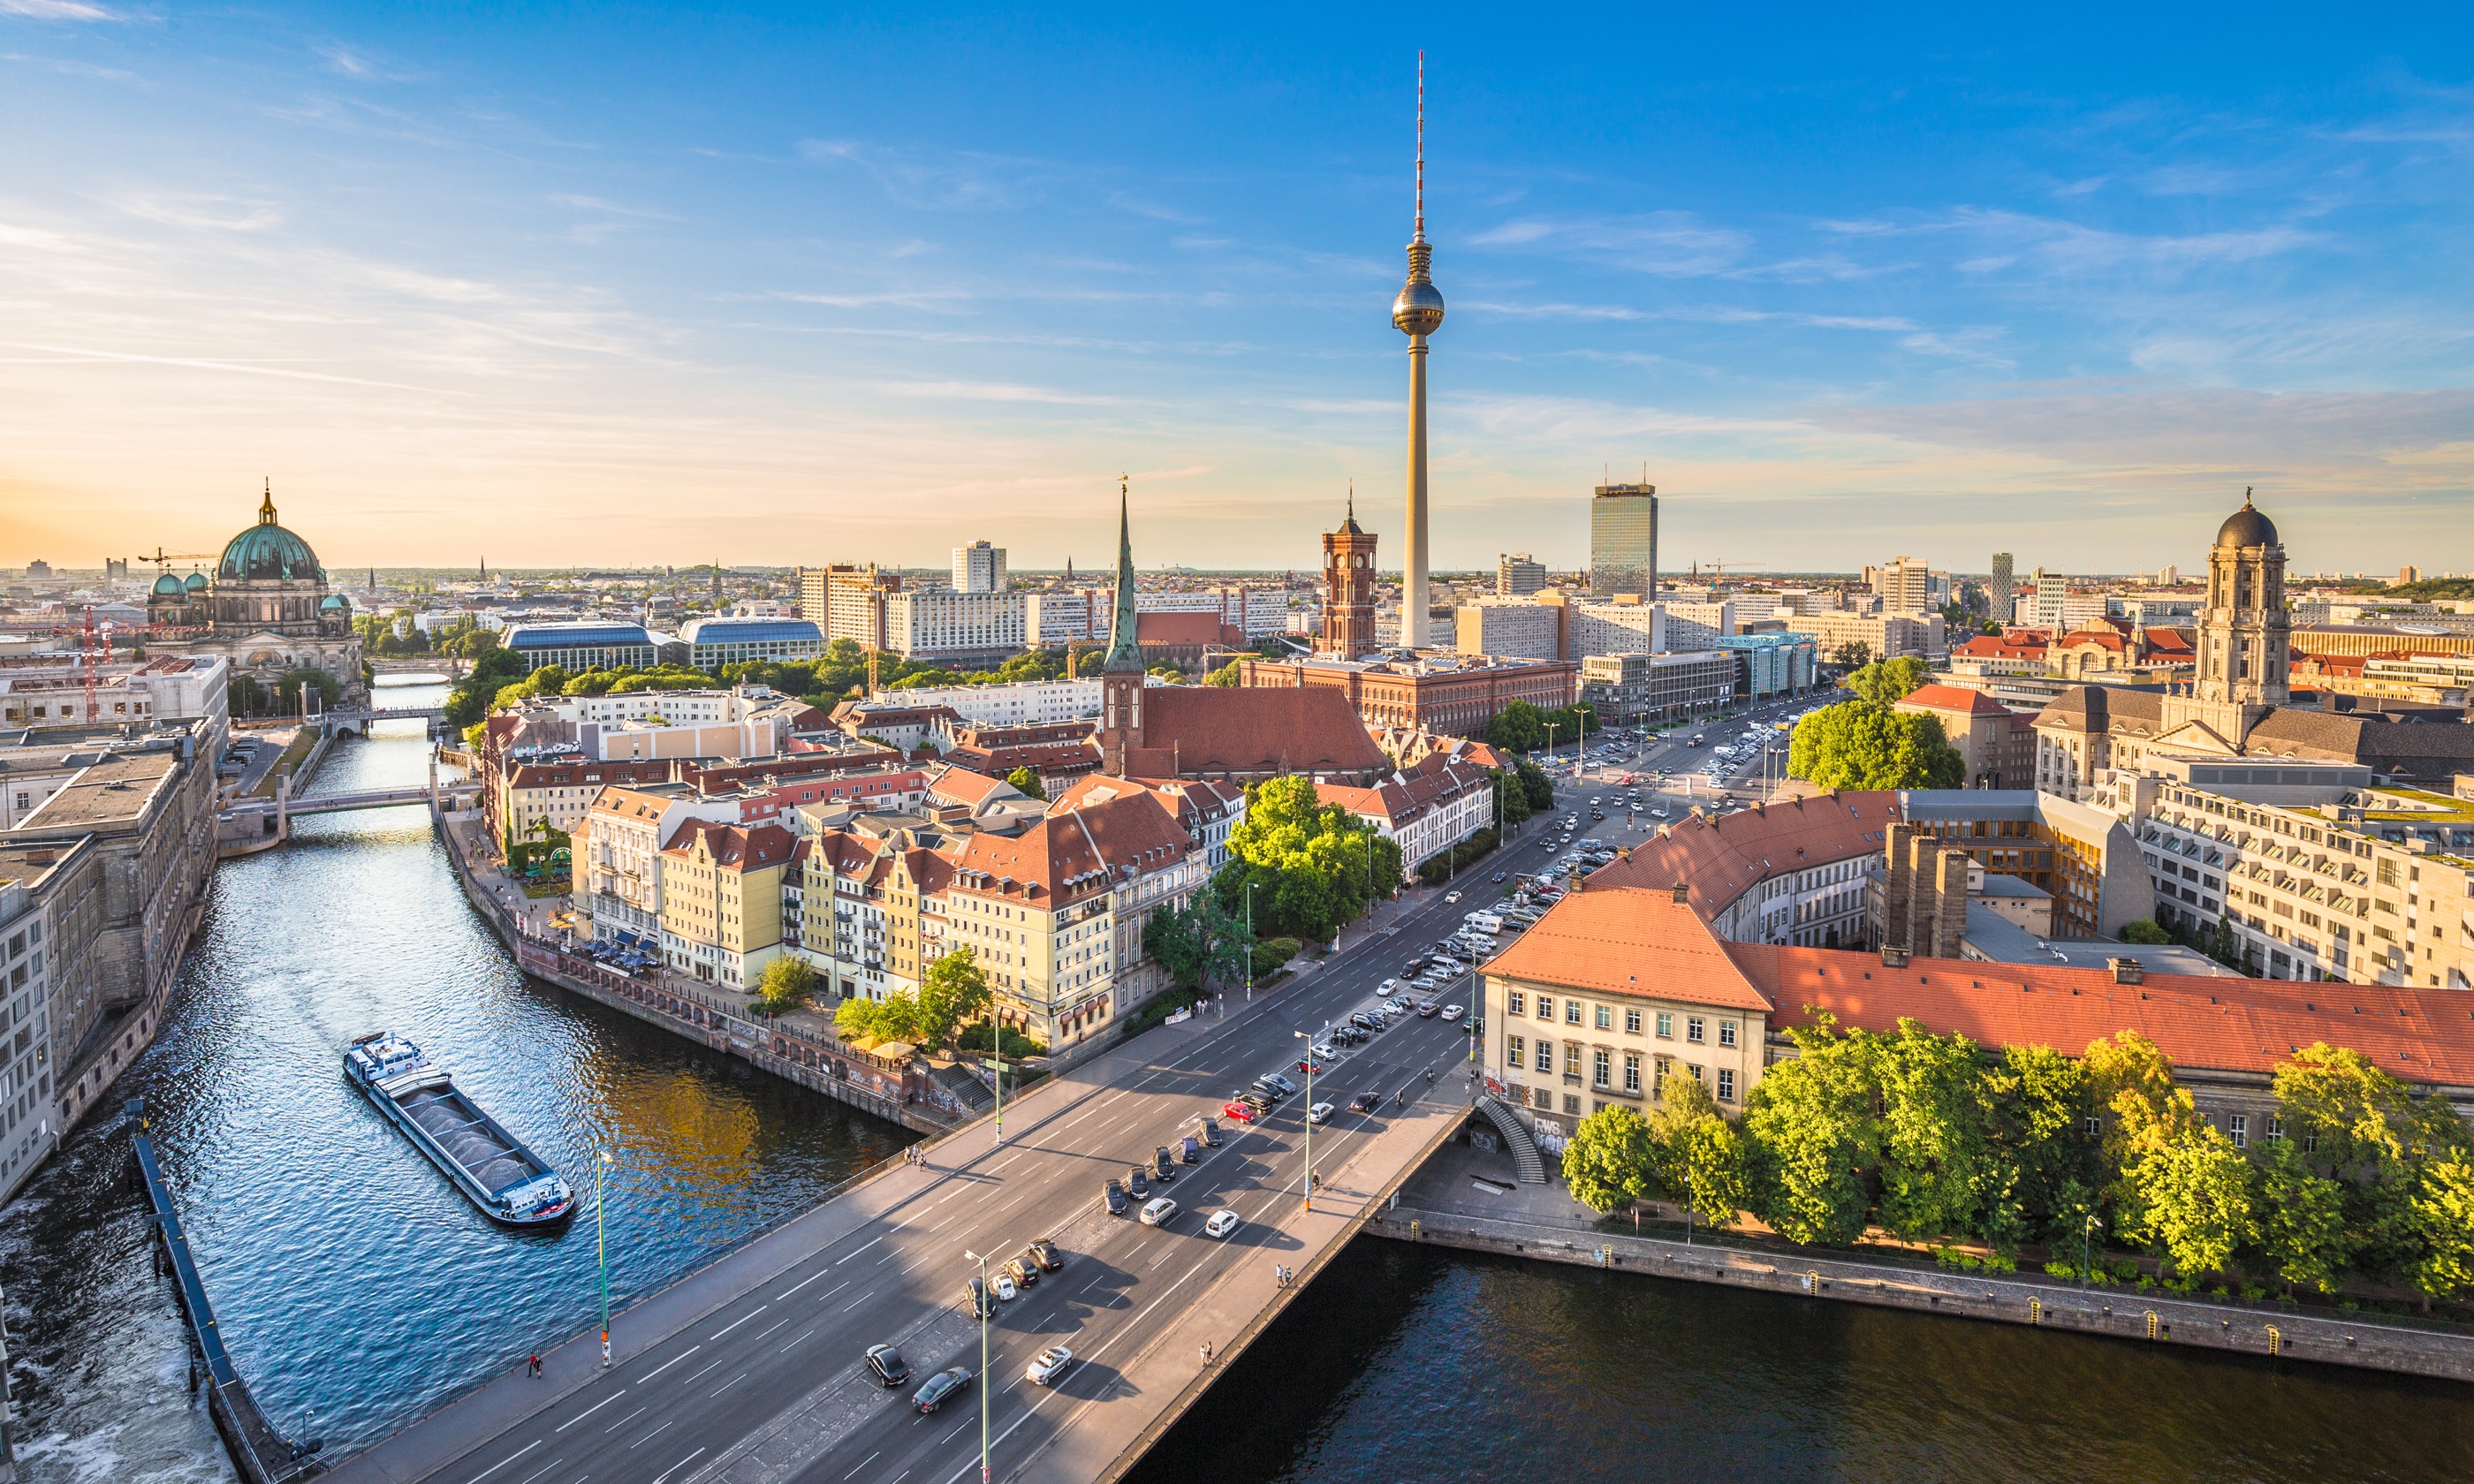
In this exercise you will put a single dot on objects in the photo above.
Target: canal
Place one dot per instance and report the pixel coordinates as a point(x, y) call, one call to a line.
point(356, 1288)
point(353, 1285)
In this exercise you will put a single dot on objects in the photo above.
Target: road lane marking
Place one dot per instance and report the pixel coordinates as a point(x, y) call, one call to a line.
point(589, 1411)
point(544, 1469)
point(677, 1467)
point(625, 1421)
point(736, 1323)
point(503, 1462)
point(777, 1324)
point(856, 1251)
point(801, 1283)
point(835, 1289)
point(803, 1334)
point(854, 1303)
point(726, 1386)
point(702, 1369)
point(864, 1462)
point(673, 1361)
point(648, 1437)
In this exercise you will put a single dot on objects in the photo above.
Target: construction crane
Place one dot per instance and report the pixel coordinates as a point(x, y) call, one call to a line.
point(1719, 564)
point(164, 558)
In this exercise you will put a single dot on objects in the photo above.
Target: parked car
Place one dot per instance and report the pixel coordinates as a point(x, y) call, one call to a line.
point(976, 1298)
point(1365, 1102)
point(1164, 1163)
point(1189, 1150)
point(1043, 1255)
point(887, 1365)
point(1138, 1183)
point(1208, 1132)
point(1255, 1098)
point(1158, 1212)
point(1268, 1091)
point(1221, 1224)
point(941, 1389)
point(1115, 1195)
point(1243, 1113)
point(1320, 1113)
point(1310, 1062)
point(1004, 1287)
point(1280, 1082)
point(1048, 1365)
point(1023, 1271)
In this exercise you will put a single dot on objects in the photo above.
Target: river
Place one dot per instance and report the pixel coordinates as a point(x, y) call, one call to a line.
point(353, 1285)
point(356, 1288)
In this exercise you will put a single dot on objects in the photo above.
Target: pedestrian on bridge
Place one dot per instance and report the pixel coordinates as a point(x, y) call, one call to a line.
point(532, 1367)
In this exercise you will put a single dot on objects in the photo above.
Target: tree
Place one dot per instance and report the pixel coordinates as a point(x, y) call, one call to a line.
point(1698, 1156)
point(1854, 655)
point(1932, 1097)
point(1865, 744)
point(1887, 680)
point(1606, 1161)
point(2144, 930)
point(1518, 727)
point(2369, 1132)
point(1028, 781)
point(786, 983)
point(2301, 1219)
point(2444, 1211)
point(2193, 1193)
point(894, 1018)
point(2043, 1169)
point(1814, 1131)
point(954, 990)
point(1312, 865)
point(1538, 788)
point(1197, 941)
point(1227, 675)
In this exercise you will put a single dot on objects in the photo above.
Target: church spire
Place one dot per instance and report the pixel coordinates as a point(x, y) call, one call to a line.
point(266, 506)
point(1124, 649)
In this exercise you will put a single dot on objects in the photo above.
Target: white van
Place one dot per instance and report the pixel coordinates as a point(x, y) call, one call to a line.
point(1488, 922)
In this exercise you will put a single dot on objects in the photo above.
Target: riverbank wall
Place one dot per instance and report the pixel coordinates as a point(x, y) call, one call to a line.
point(896, 1091)
point(2007, 1299)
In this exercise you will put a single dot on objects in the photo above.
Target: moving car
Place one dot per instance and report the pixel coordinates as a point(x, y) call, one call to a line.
point(1043, 1255)
point(1451, 897)
point(1320, 1113)
point(940, 1388)
point(1115, 1196)
point(1158, 1212)
point(1426, 1011)
point(1452, 1012)
point(1366, 1102)
point(1048, 1365)
point(1243, 1113)
point(1221, 1224)
point(887, 1365)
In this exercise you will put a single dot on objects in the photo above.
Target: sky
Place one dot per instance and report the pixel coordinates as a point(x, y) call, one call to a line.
point(603, 285)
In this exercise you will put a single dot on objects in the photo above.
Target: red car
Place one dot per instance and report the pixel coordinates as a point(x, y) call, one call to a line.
point(1243, 1113)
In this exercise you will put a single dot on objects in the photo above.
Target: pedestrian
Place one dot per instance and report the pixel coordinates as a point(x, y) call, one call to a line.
point(535, 1364)
point(1206, 1352)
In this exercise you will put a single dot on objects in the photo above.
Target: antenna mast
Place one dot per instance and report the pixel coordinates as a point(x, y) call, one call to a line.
point(1421, 145)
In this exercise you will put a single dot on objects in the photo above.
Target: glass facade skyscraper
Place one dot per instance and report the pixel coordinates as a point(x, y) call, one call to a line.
point(1623, 541)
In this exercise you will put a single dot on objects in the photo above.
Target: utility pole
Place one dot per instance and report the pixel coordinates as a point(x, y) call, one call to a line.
point(984, 1300)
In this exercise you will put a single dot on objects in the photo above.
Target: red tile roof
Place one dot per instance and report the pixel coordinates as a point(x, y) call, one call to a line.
point(1192, 729)
point(1721, 858)
point(1950, 697)
point(1618, 940)
point(731, 848)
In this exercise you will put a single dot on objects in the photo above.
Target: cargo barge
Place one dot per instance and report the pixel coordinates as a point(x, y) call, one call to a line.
point(497, 1173)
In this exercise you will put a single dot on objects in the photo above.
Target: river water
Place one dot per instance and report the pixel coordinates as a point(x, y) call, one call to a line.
point(356, 1288)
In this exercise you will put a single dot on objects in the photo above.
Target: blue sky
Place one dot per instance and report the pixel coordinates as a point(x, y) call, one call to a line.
point(598, 285)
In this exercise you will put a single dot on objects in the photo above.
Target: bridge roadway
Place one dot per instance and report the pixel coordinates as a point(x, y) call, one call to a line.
point(749, 1371)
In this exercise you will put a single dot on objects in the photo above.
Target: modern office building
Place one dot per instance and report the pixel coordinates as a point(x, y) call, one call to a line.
point(1658, 688)
point(1998, 592)
point(848, 602)
point(1771, 664)
point(1623, 541)
point(979, 567)
point(713, 642)
point(1511, 630)
point(1516, 576)
point(578, 647)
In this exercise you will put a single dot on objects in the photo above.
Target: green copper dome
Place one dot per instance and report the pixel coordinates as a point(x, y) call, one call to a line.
point(196, 581)
point(266, 552)
point(332, 602)
point(169, 587)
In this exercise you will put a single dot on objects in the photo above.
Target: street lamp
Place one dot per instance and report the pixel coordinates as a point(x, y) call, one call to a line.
point(1250, 941)
point(984, 1300)
point(1309, 1060)
point(601, 1242)
point(2090, 1224)
point(996, 1050)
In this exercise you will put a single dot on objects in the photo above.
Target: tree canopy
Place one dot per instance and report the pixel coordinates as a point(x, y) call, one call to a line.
point(1312, 865)
point(1028, 781)
point(1865, 744)
point(1887, 680)
point(953, 991)
point(786, 983)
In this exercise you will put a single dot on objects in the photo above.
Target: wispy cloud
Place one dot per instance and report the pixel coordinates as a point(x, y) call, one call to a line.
point(58, 10)
point(994, 391)
point(70, 355)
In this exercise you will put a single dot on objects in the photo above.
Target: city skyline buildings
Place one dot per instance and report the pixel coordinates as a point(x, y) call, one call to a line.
point(870, 323)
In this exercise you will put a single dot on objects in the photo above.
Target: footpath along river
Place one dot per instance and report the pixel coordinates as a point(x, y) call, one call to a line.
point(355, 1287)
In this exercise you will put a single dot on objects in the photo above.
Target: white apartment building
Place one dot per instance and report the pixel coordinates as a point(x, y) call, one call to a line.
point(28, 1113)
point(979, 567)
point(1510, 629)
point(1718, 616)
point(936, 625)
point(1021, 703)
point(1426, 810)
point(1906, 585)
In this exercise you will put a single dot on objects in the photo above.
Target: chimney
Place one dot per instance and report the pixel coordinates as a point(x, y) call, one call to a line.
point(1950, 902)
point(1897, 887)
point(1579, 881)
point(1683, 892)
point(2125, 970)
point(1893, 957)
point(1923, 851)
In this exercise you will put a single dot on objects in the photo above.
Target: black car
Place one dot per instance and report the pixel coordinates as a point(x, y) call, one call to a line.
point(940, 1388)
point(1366, 1102)
point(887, 1365)
point(1163, 1164)
point(1189, 1150)
point(1043, 1253)
point(1115, 1193)
point(982, 1304)
point(1208, 1130)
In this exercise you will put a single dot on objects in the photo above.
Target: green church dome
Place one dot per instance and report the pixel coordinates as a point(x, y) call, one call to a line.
point(266, 552)
point(169, 587)
point(196, 582)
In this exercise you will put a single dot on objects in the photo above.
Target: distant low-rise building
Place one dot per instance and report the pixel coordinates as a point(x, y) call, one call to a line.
point(578, 647)
point(715, 642)
point(1659, 689)
point(1439, 694)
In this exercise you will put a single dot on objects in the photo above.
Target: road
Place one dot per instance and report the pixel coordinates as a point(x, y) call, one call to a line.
point(1687, 785)
point(768, 1386)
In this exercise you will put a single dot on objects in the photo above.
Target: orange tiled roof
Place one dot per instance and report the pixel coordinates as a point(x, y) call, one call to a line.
point(1620, 941)
point(1721, 858)
point(1950, 697)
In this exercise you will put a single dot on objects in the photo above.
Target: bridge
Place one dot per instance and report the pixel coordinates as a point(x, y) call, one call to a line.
point(248, 825)
point(750, 1371)
point(361, 719)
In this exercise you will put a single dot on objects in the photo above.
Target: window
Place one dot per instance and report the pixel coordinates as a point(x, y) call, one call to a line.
point(1511, 1050)
point(1571, 1012)
point(2311, 1141)
point(2276, 1128)
point(1726, 1084)
point(1571, 1102)
point(2238, 1125)
point(1692, 1028)
point(1632, 1072)
point(1665, 1026)
point(1546, 1056)
point(1694, 1067)
point(1726, 1032)
point(1513, 1003)
point(1632, 1022)
point(1545, 1007)
point(1545, 1098)
point(1599, 1070)
point(1606, 1018)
